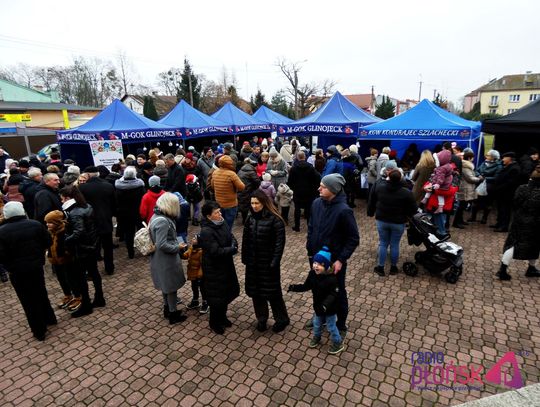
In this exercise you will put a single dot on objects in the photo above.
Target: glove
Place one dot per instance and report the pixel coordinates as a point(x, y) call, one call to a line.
point(234, 248)
point(273, 172)
point(436, 186)
point(294, 288)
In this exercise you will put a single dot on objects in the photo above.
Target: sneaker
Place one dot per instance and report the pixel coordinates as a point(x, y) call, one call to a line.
point(343, 334)
point(204, 308)
point(336, 348)
point(64, 301)
point(179, 301)
point(74, 304)
point(193, 304)
point(315, 341)
point(309, 325)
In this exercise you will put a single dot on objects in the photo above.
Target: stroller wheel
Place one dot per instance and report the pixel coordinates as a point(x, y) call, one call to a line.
point(451, 277)
point(410, 269)
point(457, 270)
point(419, 257)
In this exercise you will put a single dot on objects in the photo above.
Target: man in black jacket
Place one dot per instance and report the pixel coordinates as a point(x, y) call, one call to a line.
point(504, 187)
point(101, 195)
point(29, 189)
point(23, 243)
point(46, 198)
point(176, 178)
point(332, 224)
point(304, 180)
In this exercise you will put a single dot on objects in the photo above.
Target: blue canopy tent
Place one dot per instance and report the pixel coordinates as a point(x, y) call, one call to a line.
point(426, 124)
point(194, 123)
point(115, 122)
point(239, 121)
point(338, 120)
point(267, 115)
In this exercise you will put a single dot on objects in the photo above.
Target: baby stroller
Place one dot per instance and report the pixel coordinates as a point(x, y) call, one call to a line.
point(440, 254)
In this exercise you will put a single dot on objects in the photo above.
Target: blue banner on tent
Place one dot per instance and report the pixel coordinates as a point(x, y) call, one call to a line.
point(207, 131)
point(319, 128)
point(461, 133)
point(126, 136)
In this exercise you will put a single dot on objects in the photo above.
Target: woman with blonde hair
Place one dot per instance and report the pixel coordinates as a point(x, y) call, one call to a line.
point(165, 264)
point(421, 175)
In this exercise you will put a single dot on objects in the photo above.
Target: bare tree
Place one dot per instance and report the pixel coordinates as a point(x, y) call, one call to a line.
point(125, 70)
point(302, 94)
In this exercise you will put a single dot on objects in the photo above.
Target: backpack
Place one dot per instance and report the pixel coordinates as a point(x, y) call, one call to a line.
point(143, 241)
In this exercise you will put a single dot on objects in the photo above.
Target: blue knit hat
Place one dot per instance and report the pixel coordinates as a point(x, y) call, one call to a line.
point(323, 257)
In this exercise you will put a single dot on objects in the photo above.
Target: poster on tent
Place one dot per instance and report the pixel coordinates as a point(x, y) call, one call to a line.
point(106, 152)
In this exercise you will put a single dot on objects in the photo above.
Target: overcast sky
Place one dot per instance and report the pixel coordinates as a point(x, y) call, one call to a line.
point(451, 46)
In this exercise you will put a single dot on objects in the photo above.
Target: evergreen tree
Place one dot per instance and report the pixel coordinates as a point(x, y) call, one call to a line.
point(441, 102)
point(386, 109)
point(260, 100)
point(149, 109)
point(279, 104)
point(233, 96)
point(184, 89)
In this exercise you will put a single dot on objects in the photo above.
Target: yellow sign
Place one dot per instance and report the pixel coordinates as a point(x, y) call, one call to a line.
point(15, 118)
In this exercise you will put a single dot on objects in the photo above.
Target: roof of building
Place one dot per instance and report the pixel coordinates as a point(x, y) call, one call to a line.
point(362, 100)
point(24, 106)
point(15, 92)
point(163, 103)
point(513, 82)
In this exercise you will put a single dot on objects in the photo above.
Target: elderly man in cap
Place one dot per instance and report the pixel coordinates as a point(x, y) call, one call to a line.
point(332, 224)
point(23, 243)
point(504, 187)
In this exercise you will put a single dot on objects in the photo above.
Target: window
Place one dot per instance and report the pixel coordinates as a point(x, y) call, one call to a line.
point(534, 96)
point(513, 98)
point(492, 111)
point(494, 101)
point(511, 110)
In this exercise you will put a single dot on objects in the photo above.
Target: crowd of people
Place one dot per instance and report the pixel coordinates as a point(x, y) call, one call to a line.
point(70, 213)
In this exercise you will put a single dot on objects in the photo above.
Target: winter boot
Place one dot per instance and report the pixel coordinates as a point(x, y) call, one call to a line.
point(84, 309)
point(166, 312)
point(532, 272)
point(176, 317)
point(503, 273)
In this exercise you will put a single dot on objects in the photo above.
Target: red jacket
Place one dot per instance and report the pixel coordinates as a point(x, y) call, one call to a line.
point(148, 203)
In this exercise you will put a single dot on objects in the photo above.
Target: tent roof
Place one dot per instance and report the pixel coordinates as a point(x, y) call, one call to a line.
point(184, 115)
point(339, 110)
point(241, 121)
point(118, 118)
point(524, 120)
point(425, 120)
point(267, 115)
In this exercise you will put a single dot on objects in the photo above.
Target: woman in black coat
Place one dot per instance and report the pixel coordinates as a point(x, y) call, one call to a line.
point(129, 193)
point(219, 274)
point(262, 247)
point(80, 241)
point(522, 242)
point(248, 175)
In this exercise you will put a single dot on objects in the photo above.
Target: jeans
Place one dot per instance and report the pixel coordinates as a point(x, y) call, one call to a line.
point(330, 326)
point(439, 219)
point(229, 214)
point(389, 235)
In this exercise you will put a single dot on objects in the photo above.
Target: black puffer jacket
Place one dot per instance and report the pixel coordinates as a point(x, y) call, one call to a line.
point(391, 203)
point(219, 273)
point(45, 201)
point(262, 247)
point(81, 234)
point(248, 176)
point(506, 183)
point(23, 243)
point(29, 189)
point(325, 291)
point(304, 180)
point(523, 235)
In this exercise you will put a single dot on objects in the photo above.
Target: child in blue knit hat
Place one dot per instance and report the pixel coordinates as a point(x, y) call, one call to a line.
point(324, 287)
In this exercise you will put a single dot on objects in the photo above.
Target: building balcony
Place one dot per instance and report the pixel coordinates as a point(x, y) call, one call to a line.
point(494, 105)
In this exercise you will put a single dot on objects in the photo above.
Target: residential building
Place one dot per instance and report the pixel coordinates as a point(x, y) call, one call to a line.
point(43, 115)
point(509, 93)
point(164, 104)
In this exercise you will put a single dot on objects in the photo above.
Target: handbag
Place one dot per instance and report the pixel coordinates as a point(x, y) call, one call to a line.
point(482, 188)
point(143, 241)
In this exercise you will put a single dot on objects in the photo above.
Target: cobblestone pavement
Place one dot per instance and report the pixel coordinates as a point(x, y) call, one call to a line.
point(126, 354)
